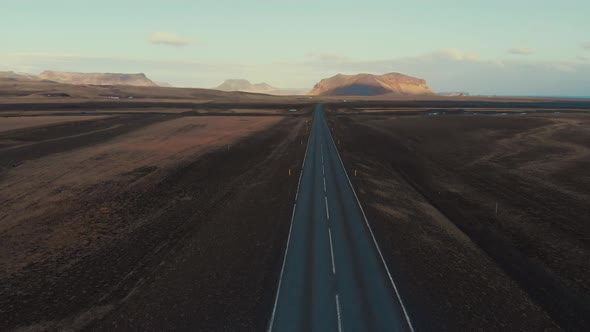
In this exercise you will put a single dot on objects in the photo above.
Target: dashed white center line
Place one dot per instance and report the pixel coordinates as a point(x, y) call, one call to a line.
point(338, 313)
point(327, 212)
point(323, 170)
point(325, 185)
point(332, 251)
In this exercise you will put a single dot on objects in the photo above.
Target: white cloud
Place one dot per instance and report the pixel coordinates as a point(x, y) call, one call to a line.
point(520, 51)
point(582, 58)
point(166, 38)
point(564, 67)
point(586, 46)
point(328, 57)
point(456, 55)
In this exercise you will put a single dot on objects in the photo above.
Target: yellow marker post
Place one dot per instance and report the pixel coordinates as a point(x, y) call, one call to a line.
point(355, 172)
point(289, 172)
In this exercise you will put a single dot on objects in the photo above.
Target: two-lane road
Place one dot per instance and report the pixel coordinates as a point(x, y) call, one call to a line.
point(333, 276)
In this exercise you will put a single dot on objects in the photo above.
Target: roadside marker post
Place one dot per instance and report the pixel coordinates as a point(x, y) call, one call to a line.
point(289, 172)
point(355, 172)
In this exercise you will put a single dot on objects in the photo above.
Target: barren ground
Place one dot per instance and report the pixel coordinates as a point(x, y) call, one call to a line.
point(12, 123)
point(171, 210)
point(431, 184)
point(91, 209)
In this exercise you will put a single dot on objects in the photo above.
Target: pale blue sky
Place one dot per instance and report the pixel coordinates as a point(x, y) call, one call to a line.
point(489, 47)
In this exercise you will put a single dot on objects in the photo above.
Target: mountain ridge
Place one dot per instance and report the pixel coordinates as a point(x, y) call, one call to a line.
point(371, 85)
point(244, 85)
point(77, 78)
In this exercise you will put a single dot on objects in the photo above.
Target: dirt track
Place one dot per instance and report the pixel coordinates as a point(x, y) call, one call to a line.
point(431, 184)
point(94, 210)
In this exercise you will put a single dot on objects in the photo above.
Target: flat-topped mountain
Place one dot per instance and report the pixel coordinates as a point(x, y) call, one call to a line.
point(97, 78)
point(371, 85)
point(245, 86)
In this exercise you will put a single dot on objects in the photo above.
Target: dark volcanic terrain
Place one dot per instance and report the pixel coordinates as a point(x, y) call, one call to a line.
point(484, 218)
point(142, 208)
point(99, 214)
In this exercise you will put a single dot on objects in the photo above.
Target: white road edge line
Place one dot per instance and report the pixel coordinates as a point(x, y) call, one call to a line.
point(274, 308)
point(338, 313)
point(299, 181)
point(332, 251)
point(327, 212)
point(373, 236)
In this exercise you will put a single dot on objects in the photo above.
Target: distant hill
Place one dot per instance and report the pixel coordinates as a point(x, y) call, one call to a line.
point(245, 86)
point(164, 85)
point(97, 78)
point(371, 85)
point(453, 94)
point(12, 76)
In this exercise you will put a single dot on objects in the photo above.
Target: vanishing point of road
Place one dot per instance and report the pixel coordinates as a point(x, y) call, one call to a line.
point(334, 277)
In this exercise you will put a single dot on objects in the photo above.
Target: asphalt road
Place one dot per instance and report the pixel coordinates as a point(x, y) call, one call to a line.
point(333, 276)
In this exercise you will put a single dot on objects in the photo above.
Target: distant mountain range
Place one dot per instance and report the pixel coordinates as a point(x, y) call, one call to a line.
point(371, 85)
point(453, 94)
point(97, 78)
point(245, 86)
point(12, 76)
point(394, 84)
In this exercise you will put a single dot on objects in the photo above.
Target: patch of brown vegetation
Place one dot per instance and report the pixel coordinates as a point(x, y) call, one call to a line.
point(44, 186)
point(84, 229)
point(11, 123)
